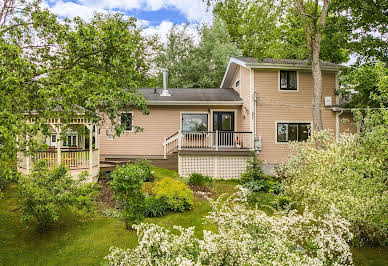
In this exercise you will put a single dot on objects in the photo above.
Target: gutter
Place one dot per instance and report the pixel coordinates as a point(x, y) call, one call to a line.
point(195, 103)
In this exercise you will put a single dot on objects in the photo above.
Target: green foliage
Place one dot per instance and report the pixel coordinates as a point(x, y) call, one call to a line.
point(179, 197)
point(47, 194)
point(155, 207)
point(256, 181)
point(126, 184)
point(197, 179)
point(145, 165)
point(192, 65)
point(350, 174)
point(366, 86)
point(59, 68)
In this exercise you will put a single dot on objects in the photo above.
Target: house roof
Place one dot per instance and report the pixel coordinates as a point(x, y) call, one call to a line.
point(271, 63)
point(194, 96)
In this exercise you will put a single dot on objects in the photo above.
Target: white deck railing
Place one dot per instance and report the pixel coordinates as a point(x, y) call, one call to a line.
point(74, 160)
point(213, 140)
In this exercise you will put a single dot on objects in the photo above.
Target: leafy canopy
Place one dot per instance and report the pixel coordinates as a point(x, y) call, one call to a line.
point(53, 68)
point(192, 65)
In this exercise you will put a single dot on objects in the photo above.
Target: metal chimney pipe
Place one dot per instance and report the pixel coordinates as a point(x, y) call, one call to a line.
point(165, 83)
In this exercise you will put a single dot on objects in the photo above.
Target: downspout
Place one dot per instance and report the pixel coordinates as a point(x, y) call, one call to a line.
point(337, 125)
point(254, 116)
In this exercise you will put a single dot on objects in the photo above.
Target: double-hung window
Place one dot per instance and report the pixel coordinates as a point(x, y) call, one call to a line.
point(192, 122)
point(293, 131)
point(288, 80)
point(126, 121)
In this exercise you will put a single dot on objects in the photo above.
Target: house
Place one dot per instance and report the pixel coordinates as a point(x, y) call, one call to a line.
point(260, 106)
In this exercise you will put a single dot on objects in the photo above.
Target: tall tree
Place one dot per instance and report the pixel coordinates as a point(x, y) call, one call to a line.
point(287, 29)
point(197, 64)
point(53, 68)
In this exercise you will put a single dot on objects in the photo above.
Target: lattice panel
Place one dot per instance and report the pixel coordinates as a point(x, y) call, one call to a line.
point(225, 167)
point(196, 164)
point(231, 166)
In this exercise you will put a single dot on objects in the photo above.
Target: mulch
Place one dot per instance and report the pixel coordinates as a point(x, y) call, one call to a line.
point(201, 192)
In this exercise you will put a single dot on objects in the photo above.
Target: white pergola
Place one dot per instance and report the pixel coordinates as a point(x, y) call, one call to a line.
point(57, 125)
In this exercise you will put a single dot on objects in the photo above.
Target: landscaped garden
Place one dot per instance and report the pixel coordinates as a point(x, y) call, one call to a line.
point(176, 201)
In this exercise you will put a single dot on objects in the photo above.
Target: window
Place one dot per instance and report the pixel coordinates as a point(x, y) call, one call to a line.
point(70, 140)
point(194, 122)
point(237, 83)
point(288, 80)
point(53, 138)
point(126, 120)
point(293, 132)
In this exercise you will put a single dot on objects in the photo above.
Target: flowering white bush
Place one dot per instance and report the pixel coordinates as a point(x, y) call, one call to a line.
point(346, 174)
point(245, 236)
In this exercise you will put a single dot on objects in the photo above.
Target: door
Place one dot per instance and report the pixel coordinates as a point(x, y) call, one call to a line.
point(224, 123)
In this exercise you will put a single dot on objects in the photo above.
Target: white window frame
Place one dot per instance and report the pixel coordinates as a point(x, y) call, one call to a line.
point(289, 122)
point(223, 110)
point(297, 80)
point(194, 112)
point(133, 126)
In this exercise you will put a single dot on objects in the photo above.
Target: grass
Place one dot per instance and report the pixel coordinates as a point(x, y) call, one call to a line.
point(75, 242)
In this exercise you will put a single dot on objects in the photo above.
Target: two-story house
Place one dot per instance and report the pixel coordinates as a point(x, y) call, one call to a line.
point(260, 106)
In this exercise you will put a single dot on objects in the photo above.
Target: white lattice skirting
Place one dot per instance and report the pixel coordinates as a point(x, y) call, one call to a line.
point(225, 167)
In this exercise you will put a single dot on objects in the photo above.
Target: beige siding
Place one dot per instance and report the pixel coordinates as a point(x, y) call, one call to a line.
point(286, 106)
point(243, 74)
point(162, 122)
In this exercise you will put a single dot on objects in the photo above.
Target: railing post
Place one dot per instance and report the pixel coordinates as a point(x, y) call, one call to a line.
point(164, 149)
point(216, 140)
point(90, 149)
point(180, 140)
point(59, 142)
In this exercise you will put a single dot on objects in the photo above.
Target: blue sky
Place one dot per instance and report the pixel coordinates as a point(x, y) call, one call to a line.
point(157, 16)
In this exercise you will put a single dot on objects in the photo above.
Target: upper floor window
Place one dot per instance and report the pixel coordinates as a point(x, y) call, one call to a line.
point(288, 80)
point(293, 132)
point(126, 120)
point(194, 122)
point(237, 83)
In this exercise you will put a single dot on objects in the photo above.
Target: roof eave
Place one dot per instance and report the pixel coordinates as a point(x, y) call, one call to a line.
point(291, 66)
point(236, 103)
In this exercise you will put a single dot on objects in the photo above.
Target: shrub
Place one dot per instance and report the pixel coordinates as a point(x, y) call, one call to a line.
point(155, 207)
point(126, 184)
point(255, 180)
point(147, 188)
point(46, 194)
point(197, 179)
point(346, 173)
point(179, 197)
point(244, 236)
point(145, 165)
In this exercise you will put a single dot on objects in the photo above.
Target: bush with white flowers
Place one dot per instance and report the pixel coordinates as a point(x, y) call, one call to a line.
point(245, 236)
point(348, 173)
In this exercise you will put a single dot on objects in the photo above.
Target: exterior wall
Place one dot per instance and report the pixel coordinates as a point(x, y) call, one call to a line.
point(275, 106)
point(217, 166)
point(347, 124)
point(162, 122)
point(243, 74)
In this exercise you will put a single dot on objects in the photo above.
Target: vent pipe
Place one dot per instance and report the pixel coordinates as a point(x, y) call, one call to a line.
point(165, 82)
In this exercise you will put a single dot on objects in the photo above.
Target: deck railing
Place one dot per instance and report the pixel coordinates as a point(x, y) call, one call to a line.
point(210, 140)
point(73, 159)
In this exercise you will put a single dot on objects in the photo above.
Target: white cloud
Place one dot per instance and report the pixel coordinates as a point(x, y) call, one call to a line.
point(194, 10)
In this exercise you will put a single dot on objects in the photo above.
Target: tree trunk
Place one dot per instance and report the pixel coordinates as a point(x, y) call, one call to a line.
point(317, 85)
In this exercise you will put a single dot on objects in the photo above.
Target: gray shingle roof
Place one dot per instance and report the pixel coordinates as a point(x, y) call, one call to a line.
point(192, 94)
point(252, 60)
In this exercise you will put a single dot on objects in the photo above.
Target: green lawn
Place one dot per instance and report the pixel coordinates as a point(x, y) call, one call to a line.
point(86, 243)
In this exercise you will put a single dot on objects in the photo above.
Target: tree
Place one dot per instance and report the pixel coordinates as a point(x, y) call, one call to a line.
point(47, 194)
point(127, 186)
point(51, 68)
point(201, 65)
point(272, 29)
